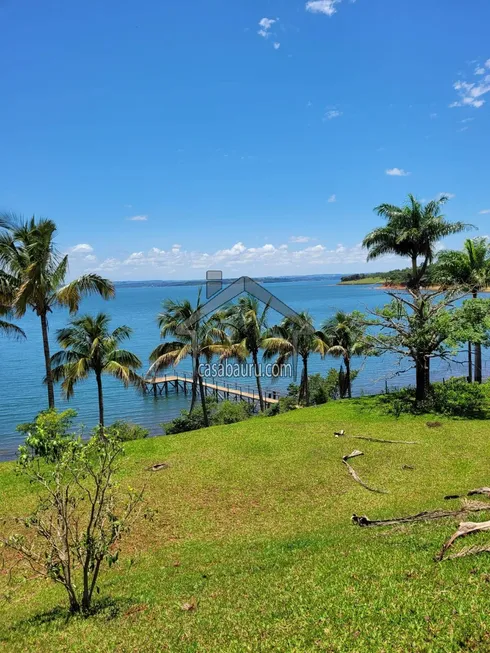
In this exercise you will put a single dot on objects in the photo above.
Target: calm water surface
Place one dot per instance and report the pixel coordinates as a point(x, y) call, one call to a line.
point(22, 394)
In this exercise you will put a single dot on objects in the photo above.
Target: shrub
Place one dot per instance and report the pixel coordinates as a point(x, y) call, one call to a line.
point(225, 412)
point(127, 431)
point(80, 515)
point(459, 398)
point(322, 388)
point(185, 422)
point(48, 433)
point(454, 398)
point(229, 412)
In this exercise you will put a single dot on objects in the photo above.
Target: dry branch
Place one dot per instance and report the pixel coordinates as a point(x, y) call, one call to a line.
point(354, 474)
point(481, 490)
point(362, 520)
point(341, 434)
point(464, 529)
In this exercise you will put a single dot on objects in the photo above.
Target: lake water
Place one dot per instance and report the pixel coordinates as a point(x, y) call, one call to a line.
point(23, 395)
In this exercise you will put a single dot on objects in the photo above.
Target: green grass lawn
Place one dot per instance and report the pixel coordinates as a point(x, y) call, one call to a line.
point(366, 281)
point(253, 526)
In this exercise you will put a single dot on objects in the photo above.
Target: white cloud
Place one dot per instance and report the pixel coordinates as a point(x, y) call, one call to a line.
point(277, 46)
point(90, 257)
point(265, 25)
point(266, 259)
point(332, 198)
point(485, 212)
point(138, 218)
point(466, 120)
point(397, 172)
point(471, 93)
point(330, 115)
point(326, 7)
point(82, 248)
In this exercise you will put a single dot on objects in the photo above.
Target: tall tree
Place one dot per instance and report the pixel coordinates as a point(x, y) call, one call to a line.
point(34, 274)
point(193, 342)
point(246, 323)
point(411, 231)
point(418, 326)
point(292, 337)
point(469, 269)
point(88, 346)
point(344, 337)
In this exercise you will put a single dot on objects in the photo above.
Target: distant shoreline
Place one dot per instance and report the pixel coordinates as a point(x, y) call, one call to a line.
point(162, 283)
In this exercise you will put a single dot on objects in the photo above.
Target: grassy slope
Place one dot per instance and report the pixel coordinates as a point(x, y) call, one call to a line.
point(253, 522)
point(367, 281)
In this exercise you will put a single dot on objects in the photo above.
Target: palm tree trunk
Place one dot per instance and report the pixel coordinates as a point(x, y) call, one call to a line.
point(203, 401)
point(195, 372)
point(470, 363)
point(414, 270)
point(257, 379)
point(478, 356)
point(347, 376)
point(101, 401)
point(47, 359)
point(304, 394)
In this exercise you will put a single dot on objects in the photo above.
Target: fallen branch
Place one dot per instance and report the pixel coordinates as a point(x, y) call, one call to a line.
point(481, 490)
point(157, 467)
point(464, 529)
point(354, 474)
point(362, 520)
point(468, 551)
point(341, 434)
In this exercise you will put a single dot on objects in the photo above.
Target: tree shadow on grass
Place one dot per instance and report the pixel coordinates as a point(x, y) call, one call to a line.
point(59, 617)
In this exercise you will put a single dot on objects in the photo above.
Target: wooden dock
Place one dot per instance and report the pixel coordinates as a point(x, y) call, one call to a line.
point(220, 390)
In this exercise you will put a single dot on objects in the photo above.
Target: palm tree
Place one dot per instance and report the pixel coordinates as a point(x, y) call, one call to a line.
point(247, 326)
point(9, 329)
point(194, 342)
point(469, 269)
point(33, 273)
point(412, 231)
point(295, 336)
point(344, 337)
point(88, 346)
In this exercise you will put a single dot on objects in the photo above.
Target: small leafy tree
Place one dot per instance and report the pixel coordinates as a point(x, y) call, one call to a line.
point(418, 326)
point(80, 516)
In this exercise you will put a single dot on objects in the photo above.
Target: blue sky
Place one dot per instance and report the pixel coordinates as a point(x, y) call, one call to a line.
point(256, 136)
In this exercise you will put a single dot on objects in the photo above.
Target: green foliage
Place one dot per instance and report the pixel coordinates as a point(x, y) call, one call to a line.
point(229, 412)
point(459, 398)
point(322, 388)
point(412, 231)
point(79, 517)
point(471, 322)
point(127, 431)
point(47, 435)
point(224, 412)
point(453, 398)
